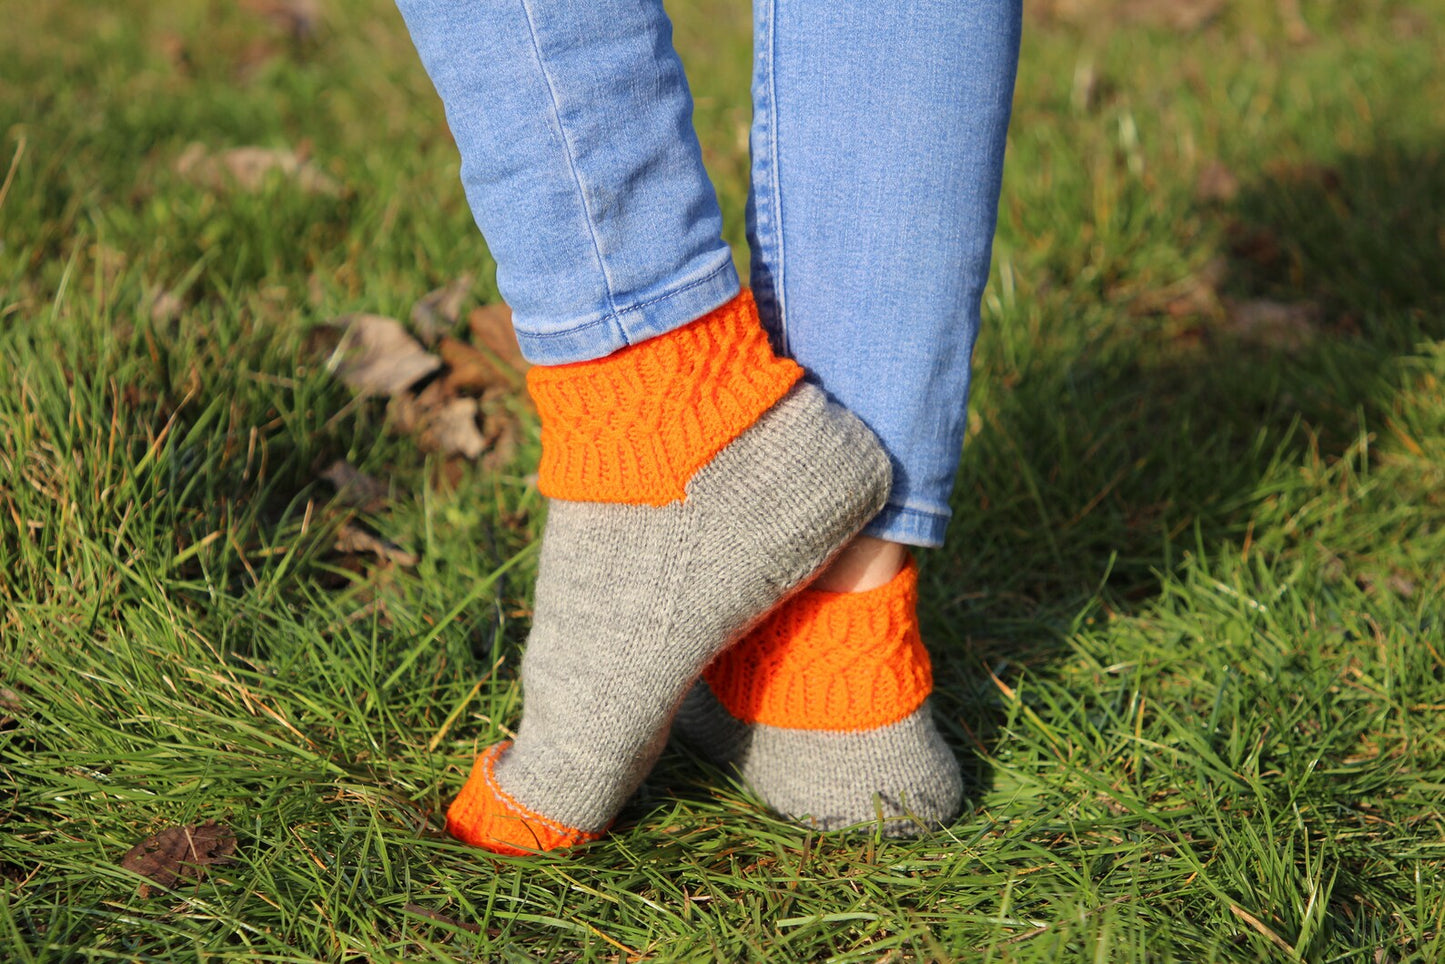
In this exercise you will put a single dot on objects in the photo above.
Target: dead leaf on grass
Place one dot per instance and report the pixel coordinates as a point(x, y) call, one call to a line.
point(437, 312)
point(492, 330)
point(452, 429)
point(407, 414)
point(354, 487)
point(503, 435)
point(354, 540)
point(472, 370)
point(376, 356)
point(251, 167)
point(178, 853)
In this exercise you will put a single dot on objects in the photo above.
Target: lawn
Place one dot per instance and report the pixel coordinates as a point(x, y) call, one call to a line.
point(1189, 629)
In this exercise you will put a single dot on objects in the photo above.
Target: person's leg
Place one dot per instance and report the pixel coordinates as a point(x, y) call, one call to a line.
point(693, 480)
point(878, 142)
point(574, 124)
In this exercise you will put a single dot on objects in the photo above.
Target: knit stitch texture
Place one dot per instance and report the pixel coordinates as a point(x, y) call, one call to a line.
point(822, 710)
point(635, 426)
point(675, 538)
point(830, 661)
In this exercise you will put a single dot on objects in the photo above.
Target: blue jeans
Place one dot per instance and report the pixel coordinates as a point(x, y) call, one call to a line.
point(877, 152)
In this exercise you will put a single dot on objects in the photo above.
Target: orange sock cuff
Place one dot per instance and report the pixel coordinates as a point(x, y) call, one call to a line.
point(484, 815)
point(837, 661)
point(636, 426)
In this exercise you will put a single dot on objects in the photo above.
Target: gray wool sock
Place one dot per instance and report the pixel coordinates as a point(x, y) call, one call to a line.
point(823, 710)
point(902, 774)
point(633, 601)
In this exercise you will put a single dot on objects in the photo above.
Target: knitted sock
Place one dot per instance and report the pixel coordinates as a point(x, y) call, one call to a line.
point(694, 481)
point(822, 709)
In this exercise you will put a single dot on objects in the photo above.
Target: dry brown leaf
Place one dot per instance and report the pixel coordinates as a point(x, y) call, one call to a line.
point(437, 311)
point(1273, 324)
point(355, 540)
point(452, 429)
point(473, 370)
point(251, 167)
point(408, 414)
point(503, 435)
point(354, 487)
point(376, 356)
point(178, 853)
point(1216, 184)
point(492, 331)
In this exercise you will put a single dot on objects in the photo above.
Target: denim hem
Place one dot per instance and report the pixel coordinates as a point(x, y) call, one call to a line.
point(913, 527)
point(647, 318)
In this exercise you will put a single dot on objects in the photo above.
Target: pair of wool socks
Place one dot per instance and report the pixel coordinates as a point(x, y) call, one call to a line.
point(694, 483)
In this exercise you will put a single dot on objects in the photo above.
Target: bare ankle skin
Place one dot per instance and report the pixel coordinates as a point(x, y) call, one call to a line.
point(865, 563)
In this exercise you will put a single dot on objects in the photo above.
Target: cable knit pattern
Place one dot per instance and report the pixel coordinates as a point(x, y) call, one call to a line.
point(635, 426)
point(834, 661)
point(484, 815)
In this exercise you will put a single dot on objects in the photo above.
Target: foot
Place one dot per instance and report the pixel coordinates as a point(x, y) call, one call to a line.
point(822, 709)
point(695, 482)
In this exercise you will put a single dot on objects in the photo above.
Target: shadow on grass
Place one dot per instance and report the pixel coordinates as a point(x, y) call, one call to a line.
point(1098, 471)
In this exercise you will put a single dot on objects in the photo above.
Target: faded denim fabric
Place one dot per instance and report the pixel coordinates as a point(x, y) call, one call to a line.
point(877, 144)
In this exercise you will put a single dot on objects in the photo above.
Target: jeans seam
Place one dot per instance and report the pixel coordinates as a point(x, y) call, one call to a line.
point(616, 316)
point(720, 269)
point(931, 511)
point(774, 195)
point(569, 151)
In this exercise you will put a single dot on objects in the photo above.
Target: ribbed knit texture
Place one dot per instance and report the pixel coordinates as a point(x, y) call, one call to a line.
point(635, 426)
point(830, 661)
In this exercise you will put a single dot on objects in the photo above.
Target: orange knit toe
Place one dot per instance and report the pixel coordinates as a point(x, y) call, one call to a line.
point(486, 816)
point(841, 661)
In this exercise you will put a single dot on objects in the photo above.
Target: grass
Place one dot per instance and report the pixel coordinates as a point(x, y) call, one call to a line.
point(1188, 630)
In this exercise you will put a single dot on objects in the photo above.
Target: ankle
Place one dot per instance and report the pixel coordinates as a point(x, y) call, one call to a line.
point(865, 563)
